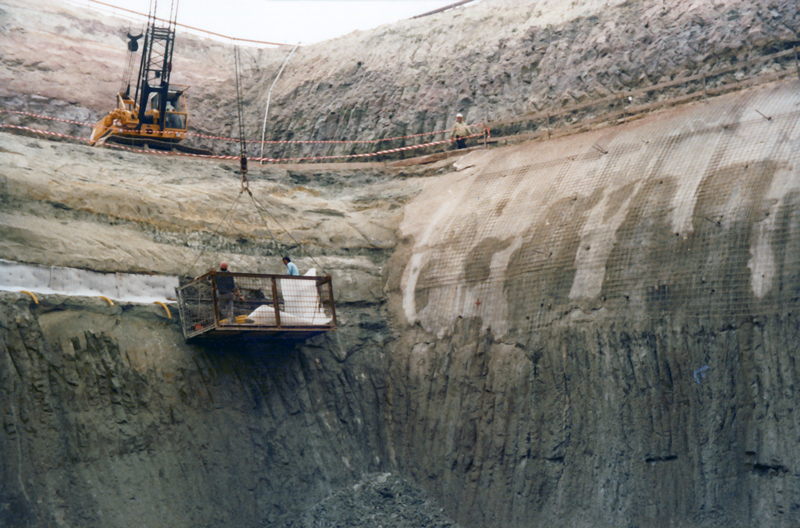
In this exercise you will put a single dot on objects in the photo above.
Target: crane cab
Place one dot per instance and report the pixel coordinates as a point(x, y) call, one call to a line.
point(124, 124)
point(175, 111)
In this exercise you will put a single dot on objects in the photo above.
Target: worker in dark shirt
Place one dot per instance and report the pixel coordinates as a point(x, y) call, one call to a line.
point(226, 291)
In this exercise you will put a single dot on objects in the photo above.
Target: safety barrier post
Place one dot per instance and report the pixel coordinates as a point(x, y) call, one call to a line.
point(796, 63)
point(275, 303)
point(214, 299)
point(705, 89)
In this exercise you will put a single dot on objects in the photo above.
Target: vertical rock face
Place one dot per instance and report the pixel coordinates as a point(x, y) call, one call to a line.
point(110, 420)
point(597, 330)
point(502, 59)
point(600, 330)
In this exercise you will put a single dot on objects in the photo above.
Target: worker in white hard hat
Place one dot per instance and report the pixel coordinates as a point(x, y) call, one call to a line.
point(460, 132)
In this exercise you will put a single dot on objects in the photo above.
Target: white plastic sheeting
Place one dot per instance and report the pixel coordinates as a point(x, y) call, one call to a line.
point(125, 287)
point(300, 302)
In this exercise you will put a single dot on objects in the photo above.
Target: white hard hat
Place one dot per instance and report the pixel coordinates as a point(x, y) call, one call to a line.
point(459, 115)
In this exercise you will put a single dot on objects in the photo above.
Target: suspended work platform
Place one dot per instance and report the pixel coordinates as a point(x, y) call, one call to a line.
point(248, 304)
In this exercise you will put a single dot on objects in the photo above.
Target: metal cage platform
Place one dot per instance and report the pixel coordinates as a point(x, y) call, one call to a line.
point(221, 304)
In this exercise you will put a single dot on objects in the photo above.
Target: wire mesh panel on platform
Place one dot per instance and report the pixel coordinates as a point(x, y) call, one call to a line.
point(196, 306)
point(219, 304)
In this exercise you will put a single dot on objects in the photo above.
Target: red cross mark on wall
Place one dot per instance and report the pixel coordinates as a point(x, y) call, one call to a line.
point(478, 303)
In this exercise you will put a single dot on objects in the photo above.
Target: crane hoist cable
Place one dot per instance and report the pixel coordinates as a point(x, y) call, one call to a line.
point(259, 207)
point(242, 138)
point(245, 184)
point(233, 206)
point(240, 115)
point(243, 160)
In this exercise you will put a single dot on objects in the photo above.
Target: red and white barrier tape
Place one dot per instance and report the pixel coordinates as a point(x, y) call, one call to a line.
point(46, 117)
point(267, 142)
point(323, 141)
point(268, 160)
point(46, 132)
point(367, 155)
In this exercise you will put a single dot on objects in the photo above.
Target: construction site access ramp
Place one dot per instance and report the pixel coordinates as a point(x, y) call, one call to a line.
point(220, 304)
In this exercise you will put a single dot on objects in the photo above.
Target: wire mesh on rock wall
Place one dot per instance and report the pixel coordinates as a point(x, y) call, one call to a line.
point(694, 211)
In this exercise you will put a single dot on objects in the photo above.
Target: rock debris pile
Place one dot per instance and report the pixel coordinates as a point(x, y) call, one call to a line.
point(376, 501)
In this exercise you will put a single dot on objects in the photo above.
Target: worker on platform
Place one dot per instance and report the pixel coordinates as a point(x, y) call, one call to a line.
point(460, 132)
point(290, 266)
point(226, 291)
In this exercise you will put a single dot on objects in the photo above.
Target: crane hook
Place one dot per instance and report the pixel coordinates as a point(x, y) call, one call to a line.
point(243, 167)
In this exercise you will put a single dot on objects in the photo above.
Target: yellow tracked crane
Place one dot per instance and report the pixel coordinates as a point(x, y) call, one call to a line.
point(156, 115)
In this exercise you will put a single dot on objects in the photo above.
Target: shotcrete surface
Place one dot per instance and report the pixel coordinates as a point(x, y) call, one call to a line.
point(600, 330)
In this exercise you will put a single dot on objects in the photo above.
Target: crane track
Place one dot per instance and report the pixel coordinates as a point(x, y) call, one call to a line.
point(155, 144)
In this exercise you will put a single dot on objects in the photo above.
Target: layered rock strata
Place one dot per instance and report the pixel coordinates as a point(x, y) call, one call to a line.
point(494, 60)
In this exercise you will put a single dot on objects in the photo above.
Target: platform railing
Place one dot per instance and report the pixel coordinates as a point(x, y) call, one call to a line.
point(218, 304)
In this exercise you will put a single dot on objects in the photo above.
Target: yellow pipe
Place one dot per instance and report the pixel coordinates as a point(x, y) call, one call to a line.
point(35, 300)
point(169, 315)
point(107, 299)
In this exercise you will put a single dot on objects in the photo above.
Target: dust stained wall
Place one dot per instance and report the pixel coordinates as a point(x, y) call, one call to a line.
point(601, 330)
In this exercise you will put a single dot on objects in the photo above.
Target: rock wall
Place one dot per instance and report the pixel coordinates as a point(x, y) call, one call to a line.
point(110, 417)
point(502, 59)
point(102, 210)
point(110, 420)
point(494, 60)
point(599, 330)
